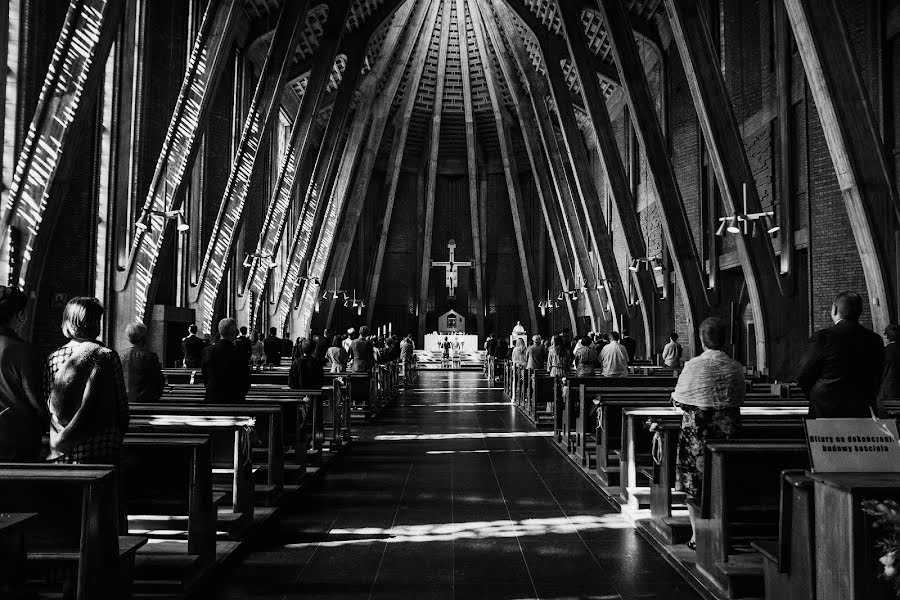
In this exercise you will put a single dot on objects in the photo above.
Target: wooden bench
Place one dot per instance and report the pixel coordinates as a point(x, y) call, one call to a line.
point(170, 475)
point(231, 448)
point(12, 553)
point(538, 395)
point(789, 562)
point(738, 505)
point(76, 530)
point(268, 426)
point(637, 441)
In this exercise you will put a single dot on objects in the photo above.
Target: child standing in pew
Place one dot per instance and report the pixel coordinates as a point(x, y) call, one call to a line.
point(710, 391)
point(85, 391)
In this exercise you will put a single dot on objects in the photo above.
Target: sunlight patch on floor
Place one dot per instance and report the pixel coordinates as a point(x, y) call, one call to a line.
point(471, 451)
point(472, 530)
point(409, 437)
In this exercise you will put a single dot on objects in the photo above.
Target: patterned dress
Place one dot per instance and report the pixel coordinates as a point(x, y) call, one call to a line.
point(100, 436)
point(710, 390)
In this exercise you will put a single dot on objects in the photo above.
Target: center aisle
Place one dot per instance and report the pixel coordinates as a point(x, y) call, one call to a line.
point(452, 494)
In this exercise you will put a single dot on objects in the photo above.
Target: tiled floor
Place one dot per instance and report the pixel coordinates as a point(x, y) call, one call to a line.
point(453, 495)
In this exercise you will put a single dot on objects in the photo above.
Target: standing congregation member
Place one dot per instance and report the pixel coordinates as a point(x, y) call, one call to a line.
point(614, 357)
point(672, 354)
point(534, 355)
point(23, 417)
point(85, 391)
point(192, 346)
point(890, 373)
point(445, 352)
point(257, 352)
point(226, 377)
point(336, 356)
point(273, 347)
point(710, 391)
point(306, 371)
point(244, 345)
point(558, 363)
point(841, 370)
point(361, 352)
point(407, 353)
point(144, 379)
point(586, 358)
point(323, 342)
point(518, 353)
point(630, 345)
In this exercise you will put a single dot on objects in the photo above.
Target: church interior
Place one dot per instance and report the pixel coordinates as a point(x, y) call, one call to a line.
point(450, 299)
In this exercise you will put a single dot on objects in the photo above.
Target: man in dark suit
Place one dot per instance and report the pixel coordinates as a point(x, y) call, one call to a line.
point(225, 373)
point(841, 370)
point(306, 373)
point(323, 342)
point(243, 344)
point(141, 368)
point(630, 345)
point(192, 346)
point(272, 348)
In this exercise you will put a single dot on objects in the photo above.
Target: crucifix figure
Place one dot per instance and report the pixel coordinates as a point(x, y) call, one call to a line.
point(450, 268)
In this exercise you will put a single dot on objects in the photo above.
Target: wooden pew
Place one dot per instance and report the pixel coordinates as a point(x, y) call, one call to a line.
point(76, 527)
point(637, 439)
point(789, 561)
point(268, 426)
point(539, 393)
point(165, 474)
point(739, 504)
point(12, 553)
point(609, 431)
point(580, 407)
point(230, 443)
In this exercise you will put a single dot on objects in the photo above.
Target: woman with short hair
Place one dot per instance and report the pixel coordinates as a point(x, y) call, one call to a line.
point(586, 358)
point(336, 357)
point(710, 391)
point(85, 391)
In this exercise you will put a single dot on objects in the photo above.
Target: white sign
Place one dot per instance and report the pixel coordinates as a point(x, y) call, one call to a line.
point(853, 445)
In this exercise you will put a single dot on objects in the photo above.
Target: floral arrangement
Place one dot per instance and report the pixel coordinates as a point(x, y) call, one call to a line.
point(886, 516)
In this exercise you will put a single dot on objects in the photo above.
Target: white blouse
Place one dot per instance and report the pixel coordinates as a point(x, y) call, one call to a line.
point(711, 380)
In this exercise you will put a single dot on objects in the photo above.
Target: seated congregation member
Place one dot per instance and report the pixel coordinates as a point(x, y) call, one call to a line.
point(336, 356)
point(361, 352)
point(144, 379)
point(586, 358)
point(243, 344)
point(841, 370)
point(518, 353)
point(306, 371)
point(672, 353)
point(710, 391)
point(23, 417)
point(85, 391)
point(535, 358)
point(890, 372)
point(273, 347)
point(193, 346)
point(630, 345)
point(614, 357)
point(226, 376)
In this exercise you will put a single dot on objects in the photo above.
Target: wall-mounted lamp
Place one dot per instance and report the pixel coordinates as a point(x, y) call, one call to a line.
point(747, 223)
point(143, 223)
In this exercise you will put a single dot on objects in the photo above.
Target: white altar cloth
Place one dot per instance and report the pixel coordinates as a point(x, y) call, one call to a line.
point(467, 343)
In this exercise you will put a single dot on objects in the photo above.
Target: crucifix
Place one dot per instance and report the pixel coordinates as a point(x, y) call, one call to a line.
point(450, 268)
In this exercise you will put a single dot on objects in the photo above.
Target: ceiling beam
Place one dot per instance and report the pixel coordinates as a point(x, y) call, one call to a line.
point(511, 172)
point(209, 56)
point(728, 156)
point(616, 178)
point(537, 89)
point(471, 162)
point(349, 209)
point(401, 131)
point(299, 147)
point(264, 108)
point(854, 143)
point(431, 184)
point(557, 234)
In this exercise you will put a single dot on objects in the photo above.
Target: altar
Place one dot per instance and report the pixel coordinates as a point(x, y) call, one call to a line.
point(460, 341)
